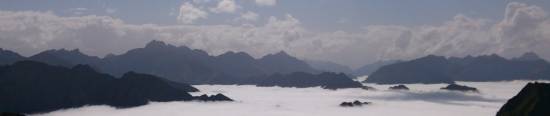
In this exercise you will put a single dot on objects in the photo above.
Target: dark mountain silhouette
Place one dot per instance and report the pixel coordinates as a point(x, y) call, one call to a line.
point(528, 56)
point(31, 87)
point(438, 69)
point(10, 114)
point(9, 57)
point(179, 64)
point(429, 69)
point(65, 58)
point(281, 62)
point(327, 66)
point(326, 80)
point(183, 64)
point(496, 68)
point(532, 100)
point(241, 65)
point(370, 68)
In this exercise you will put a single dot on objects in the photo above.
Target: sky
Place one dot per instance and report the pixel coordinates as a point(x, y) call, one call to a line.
point(349, 32)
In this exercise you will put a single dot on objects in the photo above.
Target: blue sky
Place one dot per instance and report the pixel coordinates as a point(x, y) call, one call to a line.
point(350, 32)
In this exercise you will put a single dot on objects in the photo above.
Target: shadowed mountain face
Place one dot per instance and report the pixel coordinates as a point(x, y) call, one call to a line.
point(239, 64)
point(429, 69)
point(281, 62)
point(65, 58)
point(174, 63)
point(30, 87)
point(532, 100)
point(326, 80)
point(370, 68)
point(328, 66)
point(437, 69)
point(9, 57)
point(528, 56)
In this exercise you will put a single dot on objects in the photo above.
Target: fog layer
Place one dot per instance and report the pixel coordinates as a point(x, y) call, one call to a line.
point(421, 100)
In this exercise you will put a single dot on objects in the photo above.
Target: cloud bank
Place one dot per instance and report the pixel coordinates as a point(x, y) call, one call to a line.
point(524, 28)
point(276, 101)
point(266, 2)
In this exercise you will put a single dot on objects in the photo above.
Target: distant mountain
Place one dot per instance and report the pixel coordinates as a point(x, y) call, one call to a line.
point(496, 68)
point(528, 56)
point(327, 66)
point(239, 64)
point(532, 100)
point(327, 80)
point(65, 58)
point(9, 57)
point(438, 69)
point(429, 69)
point(31, 87)
point(369, 68)
point(281, 62)
point(183, 64)
point(180, 64)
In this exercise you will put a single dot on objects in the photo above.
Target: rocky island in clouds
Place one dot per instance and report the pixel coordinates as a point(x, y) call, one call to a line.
point(274, 57)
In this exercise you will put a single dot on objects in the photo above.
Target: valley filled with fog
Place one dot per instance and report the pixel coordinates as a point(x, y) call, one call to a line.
point(420, 100)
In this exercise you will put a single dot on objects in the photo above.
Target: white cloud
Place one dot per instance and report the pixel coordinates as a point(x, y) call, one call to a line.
point(266, 2)
point(248, 16)
point(188, 13)
point(225, 6)
point(110, 10)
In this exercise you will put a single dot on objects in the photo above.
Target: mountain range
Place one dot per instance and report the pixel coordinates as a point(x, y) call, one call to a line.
point(439, 69)
point(180, 64)
point(185, 65)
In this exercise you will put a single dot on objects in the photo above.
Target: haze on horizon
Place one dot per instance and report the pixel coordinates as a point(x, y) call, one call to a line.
point(349, 32)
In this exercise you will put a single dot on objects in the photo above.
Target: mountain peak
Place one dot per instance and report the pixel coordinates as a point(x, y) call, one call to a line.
point(528, 56)
point(8, 52)
point(281, 53)
point(242, 55)
point(155, 44)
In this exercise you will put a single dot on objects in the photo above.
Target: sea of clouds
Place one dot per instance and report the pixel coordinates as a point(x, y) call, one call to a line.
point(421, 100)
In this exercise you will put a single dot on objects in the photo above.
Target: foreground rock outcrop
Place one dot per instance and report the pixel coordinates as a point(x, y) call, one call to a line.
point(532, 100)
point(217, 97)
